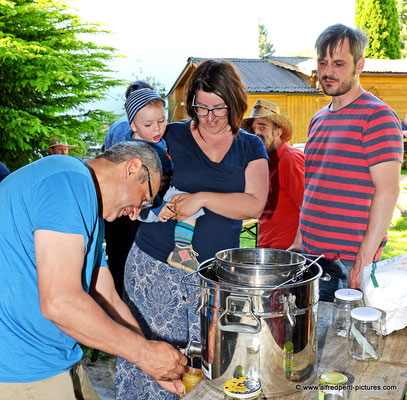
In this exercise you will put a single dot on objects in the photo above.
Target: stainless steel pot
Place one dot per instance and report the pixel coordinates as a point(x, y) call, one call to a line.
point(257, 266)
point(268, 332)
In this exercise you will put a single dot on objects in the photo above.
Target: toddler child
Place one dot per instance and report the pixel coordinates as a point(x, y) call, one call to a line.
point(145, 110)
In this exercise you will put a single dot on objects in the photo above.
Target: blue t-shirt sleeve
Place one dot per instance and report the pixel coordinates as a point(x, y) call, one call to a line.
point(67, 213)
point(254, 146)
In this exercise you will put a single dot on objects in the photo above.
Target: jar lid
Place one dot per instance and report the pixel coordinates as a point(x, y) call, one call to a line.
point(242, 388)
point(348, 294)
point(366, 314)
point(333, 378)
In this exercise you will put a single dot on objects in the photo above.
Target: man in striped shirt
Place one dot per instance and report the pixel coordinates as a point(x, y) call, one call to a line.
point(352, 163)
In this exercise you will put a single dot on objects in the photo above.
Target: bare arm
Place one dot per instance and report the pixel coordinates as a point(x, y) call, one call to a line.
point(59, 259)
point(385, 177)
point(296, 246)
point(249, 204)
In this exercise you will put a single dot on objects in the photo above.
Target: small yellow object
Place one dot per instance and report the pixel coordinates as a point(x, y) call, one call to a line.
point(191, 378)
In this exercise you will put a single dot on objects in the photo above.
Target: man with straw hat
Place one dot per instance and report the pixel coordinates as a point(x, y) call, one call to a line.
point(59, 146)
point(279, 221)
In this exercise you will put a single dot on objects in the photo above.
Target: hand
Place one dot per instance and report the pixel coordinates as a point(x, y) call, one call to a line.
point(186, 204)
point(166, 213)
point(295, 247)
point(174, 386)
point(162, 361)
point(355, 276)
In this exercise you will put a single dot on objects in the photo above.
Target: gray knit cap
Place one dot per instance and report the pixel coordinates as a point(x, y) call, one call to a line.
point(139, 99)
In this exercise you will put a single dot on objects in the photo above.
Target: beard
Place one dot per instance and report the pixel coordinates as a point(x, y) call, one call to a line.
point(343, 88)
point(268, 143)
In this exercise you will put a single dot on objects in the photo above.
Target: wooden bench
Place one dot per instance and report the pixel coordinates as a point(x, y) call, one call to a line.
point(251, 226)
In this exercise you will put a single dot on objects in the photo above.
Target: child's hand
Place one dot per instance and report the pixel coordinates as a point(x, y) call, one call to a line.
point(166, 213)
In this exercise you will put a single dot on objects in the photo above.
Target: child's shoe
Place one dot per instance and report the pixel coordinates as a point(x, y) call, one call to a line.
point(184, 257)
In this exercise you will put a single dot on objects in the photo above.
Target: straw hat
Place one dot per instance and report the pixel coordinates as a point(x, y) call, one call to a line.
point(267, 109)
point(59, 142)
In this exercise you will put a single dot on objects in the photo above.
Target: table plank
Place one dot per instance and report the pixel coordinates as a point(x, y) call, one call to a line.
point(390, 370)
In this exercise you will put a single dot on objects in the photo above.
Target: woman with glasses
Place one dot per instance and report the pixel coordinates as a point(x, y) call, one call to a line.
point(224, 170)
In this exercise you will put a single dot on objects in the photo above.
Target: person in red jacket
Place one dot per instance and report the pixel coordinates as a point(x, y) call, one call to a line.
point(280, 218)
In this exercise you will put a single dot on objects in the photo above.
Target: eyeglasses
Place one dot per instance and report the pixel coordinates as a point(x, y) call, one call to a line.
point(203, 111)
point(150, 203)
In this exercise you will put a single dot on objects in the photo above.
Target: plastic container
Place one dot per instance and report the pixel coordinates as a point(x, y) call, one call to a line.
point(333, 386)
point(242, 388)
point(365, 342)
point(345, 301)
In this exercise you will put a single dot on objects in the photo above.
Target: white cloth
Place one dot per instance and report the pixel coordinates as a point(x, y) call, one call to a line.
point(390, 295)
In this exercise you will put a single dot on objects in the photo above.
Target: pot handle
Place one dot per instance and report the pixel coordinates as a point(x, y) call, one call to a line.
point(226, 326)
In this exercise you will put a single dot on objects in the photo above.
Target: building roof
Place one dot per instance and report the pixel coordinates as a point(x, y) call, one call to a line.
point(261, 76)
point(281, 74)
point(306, 65)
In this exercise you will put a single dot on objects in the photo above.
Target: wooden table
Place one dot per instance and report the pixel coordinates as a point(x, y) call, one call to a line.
point(390, 370)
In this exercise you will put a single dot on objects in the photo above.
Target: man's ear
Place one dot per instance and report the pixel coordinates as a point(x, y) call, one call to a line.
point(132, 168)
point(360, 65)
point(279, 131)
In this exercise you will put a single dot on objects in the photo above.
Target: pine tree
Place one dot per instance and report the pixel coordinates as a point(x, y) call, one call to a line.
point(48, 79)
point(402, 11)
point(265, 47)
point(380, 20)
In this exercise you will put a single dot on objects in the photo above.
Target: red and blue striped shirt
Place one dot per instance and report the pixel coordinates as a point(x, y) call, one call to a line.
point(341, 147)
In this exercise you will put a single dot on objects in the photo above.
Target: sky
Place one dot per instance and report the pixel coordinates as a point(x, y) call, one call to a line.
point(158, 36)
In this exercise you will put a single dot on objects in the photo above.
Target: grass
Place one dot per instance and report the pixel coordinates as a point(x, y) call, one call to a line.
point(397, 241)
point(246, 240)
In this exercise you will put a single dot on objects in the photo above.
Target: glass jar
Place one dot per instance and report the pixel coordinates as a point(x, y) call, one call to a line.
point(365, 342)
point(345, 301)
point(333, 386)
point(288, 359)
point(191, 378)
point(242, 388)
point(252, 359)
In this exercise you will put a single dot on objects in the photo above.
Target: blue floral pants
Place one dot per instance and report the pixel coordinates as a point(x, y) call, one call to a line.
point(159, 301)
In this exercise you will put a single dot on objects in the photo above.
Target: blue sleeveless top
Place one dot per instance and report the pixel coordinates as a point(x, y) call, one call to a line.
point(195, 172)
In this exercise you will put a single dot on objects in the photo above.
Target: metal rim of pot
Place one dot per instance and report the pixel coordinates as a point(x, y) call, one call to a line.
point(258, 266)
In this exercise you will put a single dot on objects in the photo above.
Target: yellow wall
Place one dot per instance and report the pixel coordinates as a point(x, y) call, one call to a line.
point(390, 89)
point(301, 107)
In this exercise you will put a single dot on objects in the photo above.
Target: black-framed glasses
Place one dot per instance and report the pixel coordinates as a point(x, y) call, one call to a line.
point(150, 203)
point(203, 111)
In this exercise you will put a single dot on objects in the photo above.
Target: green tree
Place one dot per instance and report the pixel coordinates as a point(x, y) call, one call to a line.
point(380, 20)
point(49, 78)
point(402, 11)
point(265, 47)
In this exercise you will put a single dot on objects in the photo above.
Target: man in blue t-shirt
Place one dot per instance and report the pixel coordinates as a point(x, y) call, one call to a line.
point(55, 288)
